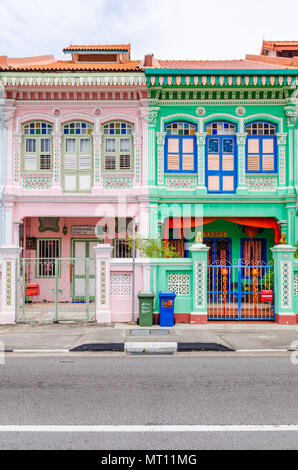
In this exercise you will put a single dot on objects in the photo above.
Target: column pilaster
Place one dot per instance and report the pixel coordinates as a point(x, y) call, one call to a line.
point(97, 148)
point(283, 256)
point(241, 185)
point(201, 141)
point(199, 258)
point(103, 255)
point(160, 140)
point(137, 141)
point(17, 141)
point(9, 301)
point(281, 155)
point(8, 215)
point(57, 161)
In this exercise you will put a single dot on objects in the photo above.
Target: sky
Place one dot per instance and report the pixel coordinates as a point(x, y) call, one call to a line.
point(171, 29)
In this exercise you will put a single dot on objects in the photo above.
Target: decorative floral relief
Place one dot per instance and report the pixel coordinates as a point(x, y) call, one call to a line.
point(37, 182)
point(181, 182)
point(200, 284)
point(117, 182)
point(160, 165)
point(286, 287)
point(261, 183)
point(296, 284)
point(102, 282)
point(240, 111)
point(282, 165)
point(200, 111)
point(8, 283)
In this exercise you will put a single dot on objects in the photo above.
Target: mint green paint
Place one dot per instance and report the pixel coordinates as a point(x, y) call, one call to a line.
point(199, 253)
point(278, 202)
point(160, 270)
point(296, 288)
point(283, 256)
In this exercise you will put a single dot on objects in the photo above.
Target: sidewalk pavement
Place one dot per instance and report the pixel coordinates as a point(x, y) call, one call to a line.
point(67, 336)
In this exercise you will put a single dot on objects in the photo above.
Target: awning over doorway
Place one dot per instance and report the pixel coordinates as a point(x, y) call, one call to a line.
point(190, 222)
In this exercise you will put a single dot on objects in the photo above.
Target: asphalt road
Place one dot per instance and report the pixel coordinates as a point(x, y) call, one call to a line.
point(171, 390)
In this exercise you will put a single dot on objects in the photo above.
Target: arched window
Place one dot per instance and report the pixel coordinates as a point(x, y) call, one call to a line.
point(180, 148)
point(37, 147)
point(117, 147)
point(77, 157)
point(261, 147)
point(221, 151)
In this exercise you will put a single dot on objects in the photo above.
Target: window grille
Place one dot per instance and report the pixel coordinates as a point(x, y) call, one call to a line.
point(120, 284)
point(47, 250)
point(179, 283)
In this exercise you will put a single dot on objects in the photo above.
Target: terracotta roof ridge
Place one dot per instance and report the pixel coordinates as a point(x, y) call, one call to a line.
point(200, 60)
point(98, 46)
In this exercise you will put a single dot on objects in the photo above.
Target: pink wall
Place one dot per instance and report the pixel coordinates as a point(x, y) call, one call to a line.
point(121, 306)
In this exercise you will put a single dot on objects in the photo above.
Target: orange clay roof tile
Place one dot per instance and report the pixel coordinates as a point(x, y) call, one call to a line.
point(216, 64)
point(61, 65)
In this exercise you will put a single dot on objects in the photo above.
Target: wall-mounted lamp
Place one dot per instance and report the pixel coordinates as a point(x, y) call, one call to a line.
point(64, 230)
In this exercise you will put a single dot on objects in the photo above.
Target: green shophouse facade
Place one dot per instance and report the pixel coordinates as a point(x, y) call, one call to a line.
point(223, 146)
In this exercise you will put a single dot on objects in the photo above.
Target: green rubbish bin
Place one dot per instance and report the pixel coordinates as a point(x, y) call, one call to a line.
point(146, 308)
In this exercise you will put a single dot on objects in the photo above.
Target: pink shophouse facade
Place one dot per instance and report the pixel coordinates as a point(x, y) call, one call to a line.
point(75, 160)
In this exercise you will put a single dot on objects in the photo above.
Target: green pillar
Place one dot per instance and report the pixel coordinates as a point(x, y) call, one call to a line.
point(241, 141)
point(281, 152)
point(283, 256)
point(199, 261)
point(201, 187)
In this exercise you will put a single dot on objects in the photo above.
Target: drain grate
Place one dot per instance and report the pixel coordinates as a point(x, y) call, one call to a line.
point(159, 332)
point(153, 332)
point(139, 332)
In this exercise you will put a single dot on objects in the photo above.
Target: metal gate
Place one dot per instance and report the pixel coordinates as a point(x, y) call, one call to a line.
point(56, 289)
point(239, 291)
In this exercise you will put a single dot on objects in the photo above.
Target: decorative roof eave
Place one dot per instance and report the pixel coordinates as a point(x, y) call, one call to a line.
point(94, 79)
point(224, 72)
point(222, 79)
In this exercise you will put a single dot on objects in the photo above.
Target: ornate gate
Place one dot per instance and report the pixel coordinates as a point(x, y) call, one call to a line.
point(56, 289)
point(237, 291)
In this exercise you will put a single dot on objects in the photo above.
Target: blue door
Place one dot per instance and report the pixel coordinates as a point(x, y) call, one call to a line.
point(221, 167)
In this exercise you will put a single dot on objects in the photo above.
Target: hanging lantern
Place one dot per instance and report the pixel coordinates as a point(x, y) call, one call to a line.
point(255, 273)
point(251, 232)
point(224, 273)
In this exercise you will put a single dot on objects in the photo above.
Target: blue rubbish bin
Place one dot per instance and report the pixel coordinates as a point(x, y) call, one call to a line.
point(166, 305)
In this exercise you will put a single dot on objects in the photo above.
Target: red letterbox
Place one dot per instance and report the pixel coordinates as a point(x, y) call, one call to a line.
point(32, 289)
point(266, 295)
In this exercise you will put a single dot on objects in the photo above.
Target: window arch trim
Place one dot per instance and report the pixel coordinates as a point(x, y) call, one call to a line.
point(117, 145)
point(258, 160)
point(182, 156)
point(37, 146)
